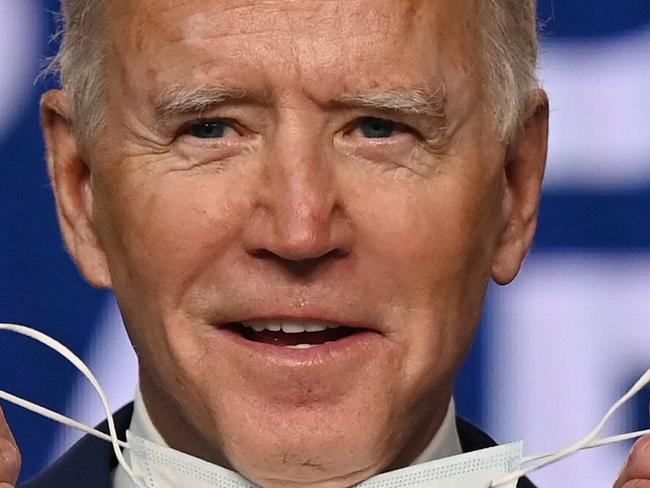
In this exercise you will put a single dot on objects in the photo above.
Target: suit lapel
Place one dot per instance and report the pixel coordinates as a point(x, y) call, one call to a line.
point(89, 463)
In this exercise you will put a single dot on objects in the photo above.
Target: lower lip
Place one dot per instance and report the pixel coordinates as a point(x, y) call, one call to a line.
point(331, 351)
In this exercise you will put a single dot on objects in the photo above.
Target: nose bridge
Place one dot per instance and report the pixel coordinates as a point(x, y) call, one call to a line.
point(302, 196)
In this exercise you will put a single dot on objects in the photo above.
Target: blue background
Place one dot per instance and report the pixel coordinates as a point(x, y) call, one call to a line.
point(40, 286)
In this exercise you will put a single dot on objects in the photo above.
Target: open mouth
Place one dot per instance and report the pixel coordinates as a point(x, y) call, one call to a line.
point(293, 334)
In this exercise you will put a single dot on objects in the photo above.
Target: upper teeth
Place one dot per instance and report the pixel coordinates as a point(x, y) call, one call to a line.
point(287, 326)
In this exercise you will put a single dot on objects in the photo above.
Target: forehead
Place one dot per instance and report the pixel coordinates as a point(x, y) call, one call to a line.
point(350, 44)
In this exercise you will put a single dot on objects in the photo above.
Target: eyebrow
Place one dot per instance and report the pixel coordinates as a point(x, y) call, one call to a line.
point(416, 102)
point(179, 100)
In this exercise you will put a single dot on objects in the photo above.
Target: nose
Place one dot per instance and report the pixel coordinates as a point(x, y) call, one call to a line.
point(300, 221)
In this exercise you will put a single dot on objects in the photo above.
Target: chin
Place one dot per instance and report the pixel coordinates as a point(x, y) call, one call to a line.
point(318, 452)
point(330, 444)
point(325, 416)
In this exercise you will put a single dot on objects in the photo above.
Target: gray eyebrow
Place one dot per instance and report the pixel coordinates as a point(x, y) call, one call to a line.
point(416, 101)
point(180, 100)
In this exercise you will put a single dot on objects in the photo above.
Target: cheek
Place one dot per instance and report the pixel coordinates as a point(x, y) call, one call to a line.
point(161, 231)
point(432, 233)
point(432, 247)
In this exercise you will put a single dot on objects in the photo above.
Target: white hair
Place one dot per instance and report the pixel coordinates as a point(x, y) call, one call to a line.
point(80, 63)
point(508, 43)
point(510, 51)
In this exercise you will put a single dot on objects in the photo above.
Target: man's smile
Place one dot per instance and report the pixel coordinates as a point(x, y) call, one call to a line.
point(294, 334)
point(310, 340)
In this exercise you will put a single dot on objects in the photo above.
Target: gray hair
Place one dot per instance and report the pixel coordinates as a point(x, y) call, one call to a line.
point(511, 49)
point(509, 62)
point(80, 63)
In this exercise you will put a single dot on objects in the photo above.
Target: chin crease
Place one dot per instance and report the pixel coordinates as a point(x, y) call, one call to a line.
point(316, 478)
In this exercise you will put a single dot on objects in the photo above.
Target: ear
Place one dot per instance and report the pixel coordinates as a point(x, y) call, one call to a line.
point(523, 174)
point(70, 175)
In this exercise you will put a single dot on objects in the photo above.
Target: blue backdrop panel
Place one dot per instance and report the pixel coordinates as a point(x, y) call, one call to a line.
point(39, 285)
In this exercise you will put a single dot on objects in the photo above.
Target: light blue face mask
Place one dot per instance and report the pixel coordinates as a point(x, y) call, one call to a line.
point(154, 466)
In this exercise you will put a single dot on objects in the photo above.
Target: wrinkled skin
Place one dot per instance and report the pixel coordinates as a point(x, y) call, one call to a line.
point(290, 209)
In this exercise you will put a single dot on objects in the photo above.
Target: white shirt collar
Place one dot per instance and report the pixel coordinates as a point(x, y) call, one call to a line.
point(445, 443)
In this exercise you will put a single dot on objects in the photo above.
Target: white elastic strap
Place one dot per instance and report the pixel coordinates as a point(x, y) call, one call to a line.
point(81, 366)
point(57, 417)
point(584, 443)
point(615, 439)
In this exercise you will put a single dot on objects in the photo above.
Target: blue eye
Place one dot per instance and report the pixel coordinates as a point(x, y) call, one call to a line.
point(209, 130)
point(374, 128)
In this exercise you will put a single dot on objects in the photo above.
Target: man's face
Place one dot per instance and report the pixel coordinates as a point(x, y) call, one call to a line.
point(305, 165)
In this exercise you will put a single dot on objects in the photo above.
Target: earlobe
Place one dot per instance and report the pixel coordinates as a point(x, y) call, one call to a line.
point(70, 175)
point(523, 176)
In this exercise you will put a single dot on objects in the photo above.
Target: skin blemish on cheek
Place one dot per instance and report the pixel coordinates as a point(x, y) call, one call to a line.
point(139, 40)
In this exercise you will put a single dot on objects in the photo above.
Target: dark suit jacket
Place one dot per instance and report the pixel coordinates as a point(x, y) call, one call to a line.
point(90, 462)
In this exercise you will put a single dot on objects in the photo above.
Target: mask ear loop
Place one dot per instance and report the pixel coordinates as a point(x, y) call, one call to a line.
point(81, 366)
point(57, 417)
point(599, 443)
point(588, 441)
point(585, 443)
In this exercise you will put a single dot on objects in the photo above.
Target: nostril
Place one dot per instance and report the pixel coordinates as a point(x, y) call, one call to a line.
point(336, 253)
point(263, 253)
point(267, 254)
point(303, 266)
